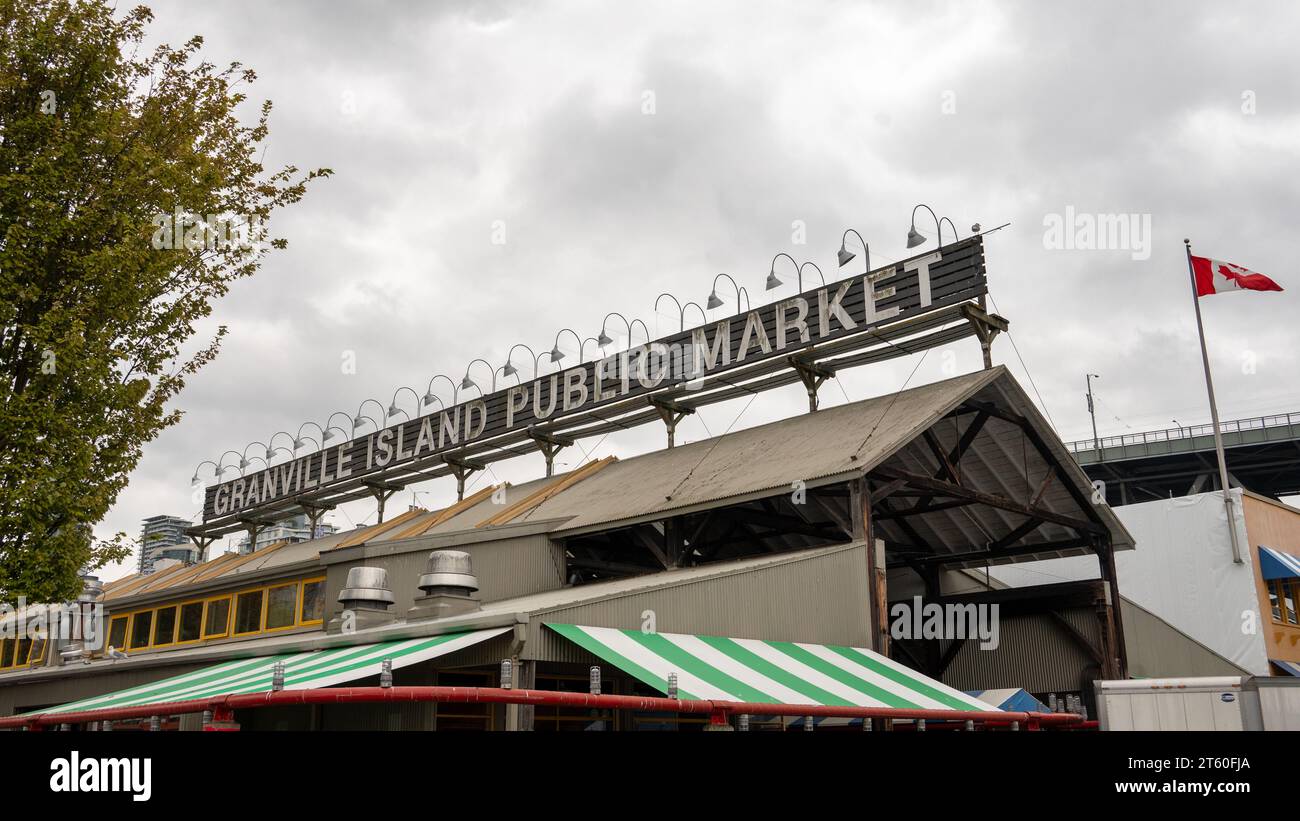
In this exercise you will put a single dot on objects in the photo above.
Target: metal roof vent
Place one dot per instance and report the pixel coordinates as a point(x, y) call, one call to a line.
point(449, 586)
point(448, 571)
point(365, 599)
point(367, 587)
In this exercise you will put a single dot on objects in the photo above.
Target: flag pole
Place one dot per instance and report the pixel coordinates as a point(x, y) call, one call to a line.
point(1214, 410)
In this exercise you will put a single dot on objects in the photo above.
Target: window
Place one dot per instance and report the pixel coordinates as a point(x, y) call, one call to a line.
point(1277, 600)
point(191, 622)
point(312, 610)
point(141, 624)
point(216, 620)
point(1291, 592)
point(24, 649)
point(248, 612)
point(117, 632)
point(38, 651)
point(280, 603)
point(164, 626)
point(7, 652)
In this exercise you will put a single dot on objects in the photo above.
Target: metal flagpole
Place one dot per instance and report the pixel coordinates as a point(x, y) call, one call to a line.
point(1214, 410)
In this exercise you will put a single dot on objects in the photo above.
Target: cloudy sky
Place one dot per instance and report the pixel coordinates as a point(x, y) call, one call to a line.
point(624, 150)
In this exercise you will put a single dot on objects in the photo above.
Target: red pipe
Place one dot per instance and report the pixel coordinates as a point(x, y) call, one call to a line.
point(223, 706)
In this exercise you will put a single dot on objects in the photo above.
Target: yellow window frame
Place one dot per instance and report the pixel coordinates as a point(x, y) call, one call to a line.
point(126, 632)
point(45, 648)
point(203, 612)
point(130, 631)
point(204, 635)
point(5, 645)
point(153, 628)
point(266, 606)
point(234, 610)
point(302, 595)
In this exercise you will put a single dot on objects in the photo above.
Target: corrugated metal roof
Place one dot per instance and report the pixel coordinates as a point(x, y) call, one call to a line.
point(808, 447)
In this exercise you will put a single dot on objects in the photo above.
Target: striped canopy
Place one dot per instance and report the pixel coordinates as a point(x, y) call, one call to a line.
point(769, 672)
point(302, 671)
point(1274, 564)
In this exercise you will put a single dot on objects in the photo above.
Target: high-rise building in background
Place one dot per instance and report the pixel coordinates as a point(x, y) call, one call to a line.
point(163, 539)
point(294, 529)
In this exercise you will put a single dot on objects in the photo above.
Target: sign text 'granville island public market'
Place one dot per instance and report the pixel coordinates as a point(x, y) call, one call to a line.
point(954, 273)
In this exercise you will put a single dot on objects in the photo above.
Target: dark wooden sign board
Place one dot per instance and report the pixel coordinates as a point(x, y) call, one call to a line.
point(912, 287)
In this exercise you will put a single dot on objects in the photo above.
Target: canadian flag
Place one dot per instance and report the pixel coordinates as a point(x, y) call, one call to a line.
point(1216, 277)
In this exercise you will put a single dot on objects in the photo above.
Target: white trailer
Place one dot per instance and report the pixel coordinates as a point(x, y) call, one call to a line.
point(1220, 703)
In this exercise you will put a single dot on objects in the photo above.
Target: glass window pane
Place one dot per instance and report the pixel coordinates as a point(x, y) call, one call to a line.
point(164, 625)
point(24, 647)
point(191, 621)
point(7, 652)
point(117, 633)
point(313, 601)
point(280, 604)
point(1291, 615)
point(141, 624)
point(38, 651)
point(217, 622)
point(248, 612)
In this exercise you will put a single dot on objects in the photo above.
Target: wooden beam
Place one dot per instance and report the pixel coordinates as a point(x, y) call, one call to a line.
point(1002, 503)
point(946, 468)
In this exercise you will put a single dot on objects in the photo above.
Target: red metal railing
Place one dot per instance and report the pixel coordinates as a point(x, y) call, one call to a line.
point(223, 707)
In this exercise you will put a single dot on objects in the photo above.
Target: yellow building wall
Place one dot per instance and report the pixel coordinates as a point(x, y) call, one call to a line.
point(1274, 525)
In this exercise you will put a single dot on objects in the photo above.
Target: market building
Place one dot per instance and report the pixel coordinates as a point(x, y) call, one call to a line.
point(798, 531)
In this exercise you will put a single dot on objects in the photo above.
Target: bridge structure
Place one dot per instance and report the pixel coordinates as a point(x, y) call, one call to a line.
point(1262, 452)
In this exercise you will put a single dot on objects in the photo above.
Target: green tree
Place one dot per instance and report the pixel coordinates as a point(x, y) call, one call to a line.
point(102, 143)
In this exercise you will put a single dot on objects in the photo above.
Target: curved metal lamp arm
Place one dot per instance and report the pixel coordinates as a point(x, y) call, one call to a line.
point(955, 235)
point(914, 238)
point(392, 404)
point(351, 431)
point(510, 352)
point(703, 316)
point(681, 319)
point(604, 338)
point(556, 353)
point(772, 280)
point(429, 395)
point(815, 268)
point(467, 383)
point(845, 255)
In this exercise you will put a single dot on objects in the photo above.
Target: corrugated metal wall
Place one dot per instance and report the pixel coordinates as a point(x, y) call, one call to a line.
point(821, 599)
point(1034, 652)
point(1158, 650)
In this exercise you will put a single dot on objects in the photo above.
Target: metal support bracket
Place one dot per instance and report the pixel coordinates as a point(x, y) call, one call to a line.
point(672, 413)
point(812, 375)
point(987, 326)
point(549, 445)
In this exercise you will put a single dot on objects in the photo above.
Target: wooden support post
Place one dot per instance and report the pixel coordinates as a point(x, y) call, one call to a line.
point(462, 469)
point(672, 413)
point(1113, 621)
point(382, 491)
point(549, 445)
point(860, 507)
point(812, 375)
point(987, 326)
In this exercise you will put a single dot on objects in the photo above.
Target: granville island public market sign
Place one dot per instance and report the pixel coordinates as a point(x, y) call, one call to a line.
point(954, 273)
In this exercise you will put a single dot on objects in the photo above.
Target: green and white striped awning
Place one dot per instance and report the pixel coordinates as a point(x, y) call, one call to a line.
point(768, 672)
point(302, 671)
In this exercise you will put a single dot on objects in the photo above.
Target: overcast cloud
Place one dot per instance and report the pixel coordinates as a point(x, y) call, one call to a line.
point(444, 122)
